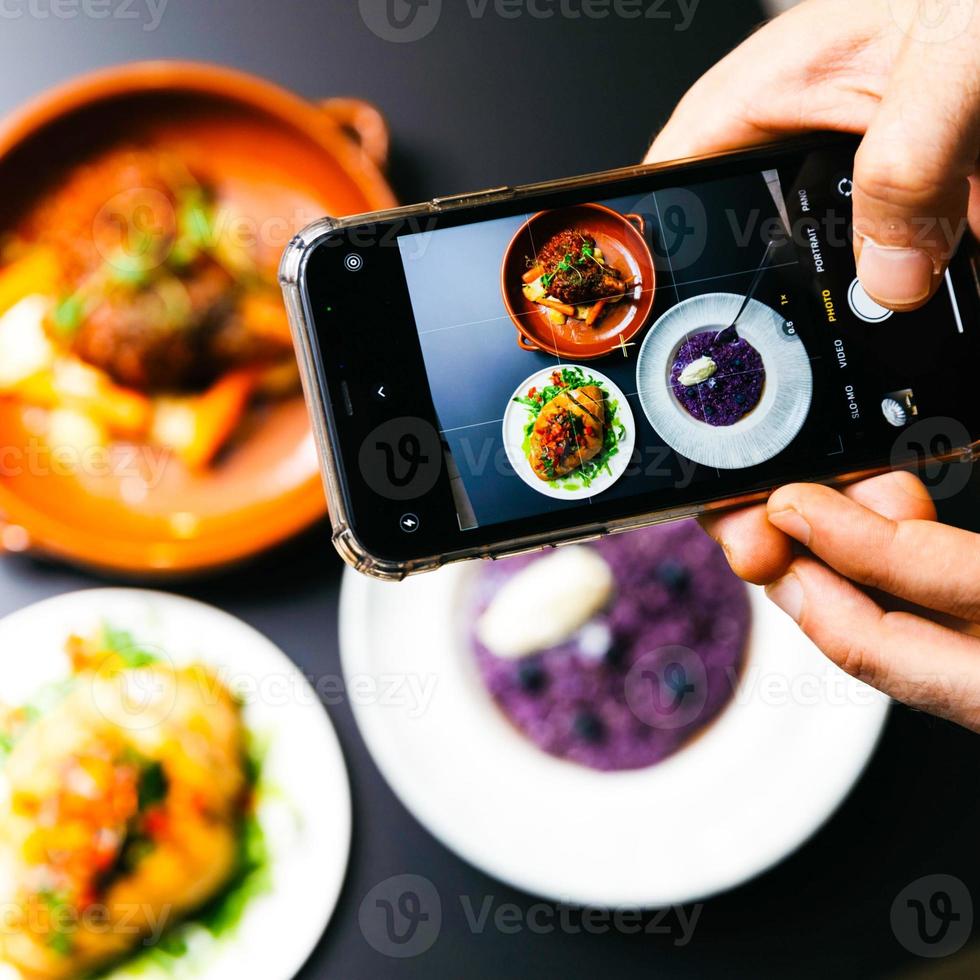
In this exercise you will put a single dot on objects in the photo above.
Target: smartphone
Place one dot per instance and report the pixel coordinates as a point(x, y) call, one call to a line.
point(530, 366)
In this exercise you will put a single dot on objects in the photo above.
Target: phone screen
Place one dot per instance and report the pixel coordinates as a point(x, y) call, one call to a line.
point(650, 344)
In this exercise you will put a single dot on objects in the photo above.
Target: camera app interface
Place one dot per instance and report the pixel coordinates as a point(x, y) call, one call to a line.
point(680, 341)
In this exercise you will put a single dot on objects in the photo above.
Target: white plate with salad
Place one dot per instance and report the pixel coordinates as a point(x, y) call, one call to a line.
point(158, 818)
point(569, 432)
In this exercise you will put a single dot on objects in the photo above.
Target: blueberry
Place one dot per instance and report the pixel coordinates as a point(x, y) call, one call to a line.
point(674, 575)
point(739, 398)
point(676, 679)
point(738, 364)
point(531, 677)
point(709, 409)
point(616, 654)
point(588, 727)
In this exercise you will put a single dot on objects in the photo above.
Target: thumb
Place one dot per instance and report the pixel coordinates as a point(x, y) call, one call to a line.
point(912, 172)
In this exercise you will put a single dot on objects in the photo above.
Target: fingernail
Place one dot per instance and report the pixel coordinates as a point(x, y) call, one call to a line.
point(895, 276)
point(792, 523)
point(787, 593)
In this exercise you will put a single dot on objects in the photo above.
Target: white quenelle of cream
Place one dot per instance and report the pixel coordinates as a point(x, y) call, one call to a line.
point(545, 603)
point(697, 371)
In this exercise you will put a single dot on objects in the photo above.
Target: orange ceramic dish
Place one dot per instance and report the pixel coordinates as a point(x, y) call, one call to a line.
point(282, 162)
point(621, 238)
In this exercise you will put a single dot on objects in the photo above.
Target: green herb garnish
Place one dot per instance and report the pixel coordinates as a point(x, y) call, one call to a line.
point(59, 940)
point(153, 786)
point(68, 315)
point(222, 915)
point(125, 646)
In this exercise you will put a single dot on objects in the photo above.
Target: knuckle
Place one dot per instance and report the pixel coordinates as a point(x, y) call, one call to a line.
point(897, 179)
point(854, 658)
point(879, 561)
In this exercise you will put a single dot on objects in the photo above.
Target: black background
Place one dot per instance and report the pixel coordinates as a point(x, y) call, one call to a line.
point(481, 103)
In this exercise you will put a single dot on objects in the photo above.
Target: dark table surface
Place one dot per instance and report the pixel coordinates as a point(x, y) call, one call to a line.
point(481, 101)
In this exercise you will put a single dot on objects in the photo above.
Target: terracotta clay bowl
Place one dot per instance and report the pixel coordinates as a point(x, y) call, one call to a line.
point(283, 162)
point(622, 240)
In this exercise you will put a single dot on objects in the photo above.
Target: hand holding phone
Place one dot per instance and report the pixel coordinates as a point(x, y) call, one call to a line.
point(917, 105)
point(920, 125)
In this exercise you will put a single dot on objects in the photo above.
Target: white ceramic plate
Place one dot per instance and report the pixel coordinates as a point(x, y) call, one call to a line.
point(765, 431)
point(516, 417)
point(307, 819)
point(753, 787)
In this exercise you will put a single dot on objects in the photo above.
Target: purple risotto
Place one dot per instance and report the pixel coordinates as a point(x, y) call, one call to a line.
point(717, 383)
point(612, 654)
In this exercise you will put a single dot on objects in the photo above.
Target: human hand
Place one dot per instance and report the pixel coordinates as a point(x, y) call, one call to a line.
point(888, 594)
point(891, 69)
point(911, 85)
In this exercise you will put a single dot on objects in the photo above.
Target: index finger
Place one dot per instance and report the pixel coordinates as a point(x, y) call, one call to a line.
point(921, 561)
point(816, 67)
point(761, 553)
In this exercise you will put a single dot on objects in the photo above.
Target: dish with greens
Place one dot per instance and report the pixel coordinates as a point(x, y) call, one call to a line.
point(569, 432)
point(149, 815)
point(134, 309)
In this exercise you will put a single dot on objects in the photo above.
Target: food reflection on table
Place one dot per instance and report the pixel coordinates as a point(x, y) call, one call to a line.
point(133, 309)
point(129, 806)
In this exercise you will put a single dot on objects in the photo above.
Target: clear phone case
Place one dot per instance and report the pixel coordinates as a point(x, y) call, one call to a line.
point(344, 537)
